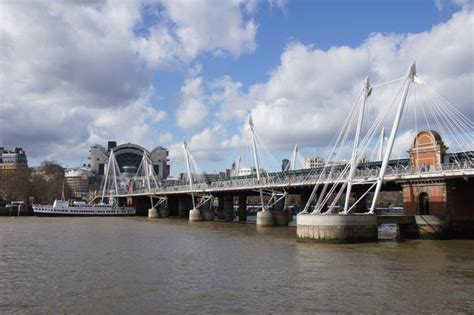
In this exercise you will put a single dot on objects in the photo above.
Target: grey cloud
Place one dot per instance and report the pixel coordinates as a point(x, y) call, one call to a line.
point(70, 68)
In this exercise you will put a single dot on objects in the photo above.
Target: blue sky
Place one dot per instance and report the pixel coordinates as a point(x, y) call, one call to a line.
point(155, 72)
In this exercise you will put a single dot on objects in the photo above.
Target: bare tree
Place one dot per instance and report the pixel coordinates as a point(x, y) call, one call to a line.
point(16, 184)
point(47, 182)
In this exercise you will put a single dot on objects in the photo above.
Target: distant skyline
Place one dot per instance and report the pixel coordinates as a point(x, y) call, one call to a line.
point(74, 74)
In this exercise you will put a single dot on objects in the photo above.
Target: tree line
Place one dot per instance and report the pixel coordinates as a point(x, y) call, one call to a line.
point(41, 185)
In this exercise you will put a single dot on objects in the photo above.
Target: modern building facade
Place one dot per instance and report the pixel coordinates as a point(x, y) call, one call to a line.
point(313, 162)
point(128, 158)
point(79, 179)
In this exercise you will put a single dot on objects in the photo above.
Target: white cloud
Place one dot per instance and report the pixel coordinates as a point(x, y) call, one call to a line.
point(205, 146)
point(251, 6)
point(280, 4)
point(190, 28)
point(229, 95)
point(73, 73)
point(465, 4)
point(160, 49)
point(309, 94)
point(191, 110)
point(403, 143)
point(212, 26)
point(166, 137)
point(132, 123)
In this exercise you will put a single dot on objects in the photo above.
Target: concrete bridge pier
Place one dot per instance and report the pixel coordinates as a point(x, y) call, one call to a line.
point(195, 215)
point(153, 213)
point(242, 208)
point(265, 219)
point(280, 214)
point(207, 211)
point(163, 211)
point(184, 206)
point(229, 208)
point(220, 208)
point(336, 228)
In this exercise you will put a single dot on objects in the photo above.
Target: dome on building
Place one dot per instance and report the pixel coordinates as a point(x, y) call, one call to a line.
point(427, 137)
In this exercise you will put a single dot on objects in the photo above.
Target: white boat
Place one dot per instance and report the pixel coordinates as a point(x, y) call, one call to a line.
point(78, 208)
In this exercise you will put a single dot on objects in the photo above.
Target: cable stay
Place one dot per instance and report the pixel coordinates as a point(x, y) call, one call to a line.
point(339, 174)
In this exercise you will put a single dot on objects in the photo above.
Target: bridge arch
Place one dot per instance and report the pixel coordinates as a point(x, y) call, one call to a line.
point(423, 204)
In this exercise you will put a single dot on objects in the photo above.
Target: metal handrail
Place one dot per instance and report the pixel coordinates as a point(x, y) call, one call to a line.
point(361, 175)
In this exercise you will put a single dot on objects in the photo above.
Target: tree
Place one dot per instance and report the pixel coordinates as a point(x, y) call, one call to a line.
point(16, 184)
point(47, 183)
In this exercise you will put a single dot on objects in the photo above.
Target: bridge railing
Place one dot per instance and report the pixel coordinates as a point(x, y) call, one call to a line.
point(362, 175)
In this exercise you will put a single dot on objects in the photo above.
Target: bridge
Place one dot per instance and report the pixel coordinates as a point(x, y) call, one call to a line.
point(433, 181)
point(367, 175)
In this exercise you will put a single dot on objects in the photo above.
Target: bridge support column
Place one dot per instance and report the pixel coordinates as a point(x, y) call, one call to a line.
point(229, 208)
point(220, 208)
point(304, 197)
point(265, 218)
point(207, 211)
point(280, 214)
point(182, 207)
point(337, 228)
point(242, 208)
point(164, 212)
point(152, 213)
point(195, 215)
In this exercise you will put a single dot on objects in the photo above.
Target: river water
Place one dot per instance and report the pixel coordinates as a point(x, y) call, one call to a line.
point(136, 265)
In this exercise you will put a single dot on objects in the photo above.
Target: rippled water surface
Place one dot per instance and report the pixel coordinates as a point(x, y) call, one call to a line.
point(136, 265)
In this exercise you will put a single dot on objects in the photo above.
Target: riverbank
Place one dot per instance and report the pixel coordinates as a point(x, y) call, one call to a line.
point(13, 211)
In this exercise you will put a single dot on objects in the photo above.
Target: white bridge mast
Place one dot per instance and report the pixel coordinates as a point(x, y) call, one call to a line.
point(255, 157)
point(410, 77)
point(110, 164)
point(190, 177)
point(355, 149)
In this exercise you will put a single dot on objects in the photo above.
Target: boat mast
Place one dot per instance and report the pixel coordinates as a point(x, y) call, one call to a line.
point(62, 193)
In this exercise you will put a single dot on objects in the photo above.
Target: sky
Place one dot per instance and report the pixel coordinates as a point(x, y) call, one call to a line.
point(78, 73)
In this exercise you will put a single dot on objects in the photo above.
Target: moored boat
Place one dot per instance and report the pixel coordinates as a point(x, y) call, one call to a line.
point(77, 208)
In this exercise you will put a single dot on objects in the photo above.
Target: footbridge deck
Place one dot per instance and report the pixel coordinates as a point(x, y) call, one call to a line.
point(288, 181)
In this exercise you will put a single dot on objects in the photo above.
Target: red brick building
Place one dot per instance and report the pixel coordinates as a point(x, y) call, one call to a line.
point(449, 199)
